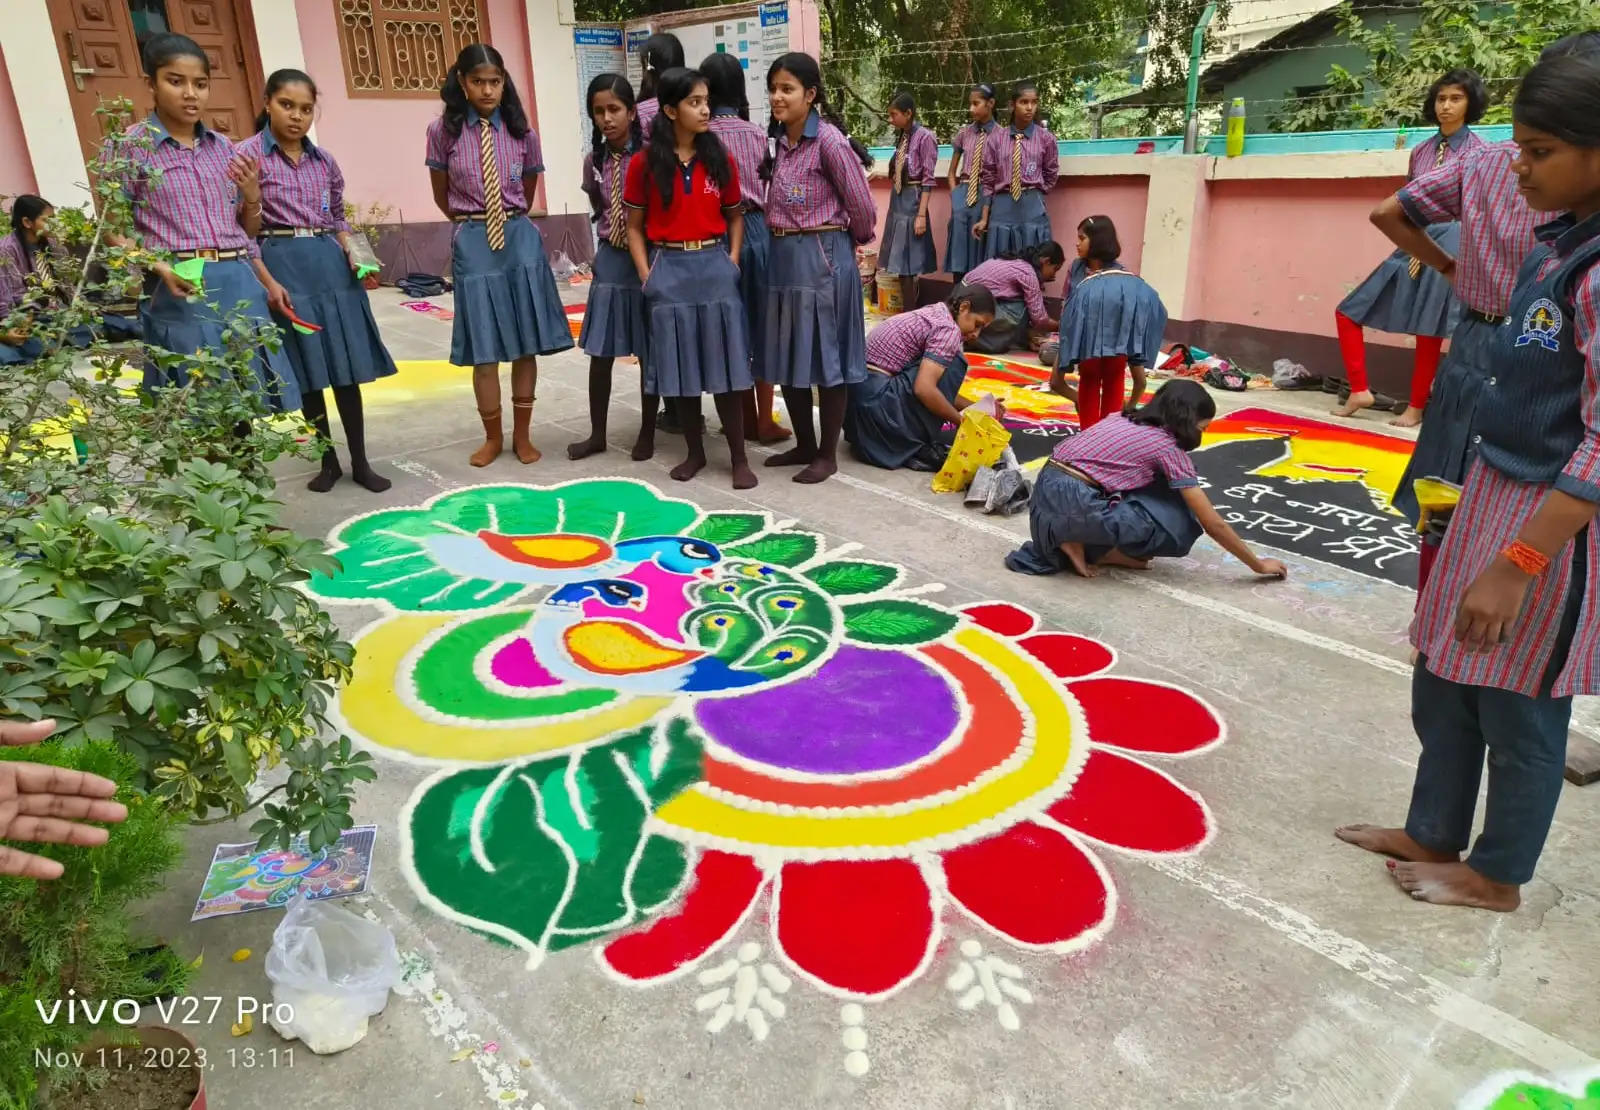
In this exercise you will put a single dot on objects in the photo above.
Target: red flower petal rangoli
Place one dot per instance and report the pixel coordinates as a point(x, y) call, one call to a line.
point(863, 929)
point(1033, 886)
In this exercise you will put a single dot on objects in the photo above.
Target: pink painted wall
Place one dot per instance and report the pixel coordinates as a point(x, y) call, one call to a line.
point(1283, 254)
point(16, 168)
point(1121, 198)
point(379, 142)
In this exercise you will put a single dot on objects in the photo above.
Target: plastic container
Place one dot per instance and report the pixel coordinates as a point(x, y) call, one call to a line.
point(1236, 127)
point(890, 300)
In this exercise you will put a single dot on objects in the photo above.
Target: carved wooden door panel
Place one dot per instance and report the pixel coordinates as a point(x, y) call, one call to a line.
point(214, 24)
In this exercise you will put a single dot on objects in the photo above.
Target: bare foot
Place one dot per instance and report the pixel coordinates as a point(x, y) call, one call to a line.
point(1074, 554)
point(744, 477)
point(794, 456)
point(644, 447)
point(1357, 402)
point(1408, 419)
point(1115, 558)
point(584, 448)
point(688, 468)
point(772, 433)
point(820, 470)
point(1392, 842)
point(1454, 884)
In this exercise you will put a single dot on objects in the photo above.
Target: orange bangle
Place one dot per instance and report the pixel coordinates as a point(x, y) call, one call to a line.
point(1527, 559)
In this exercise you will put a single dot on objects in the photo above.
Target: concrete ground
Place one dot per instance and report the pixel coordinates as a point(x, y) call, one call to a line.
point(1276, 968)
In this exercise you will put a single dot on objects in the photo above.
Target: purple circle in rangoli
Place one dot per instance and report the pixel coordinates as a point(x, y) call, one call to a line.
point(862, 711)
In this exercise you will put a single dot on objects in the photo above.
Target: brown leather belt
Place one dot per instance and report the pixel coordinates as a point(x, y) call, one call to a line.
point(1073, 472)
point(1486, 318)
point(293, 232)
point(475, 217)
point(785, 232)
point(871, 369)
point(212, 254)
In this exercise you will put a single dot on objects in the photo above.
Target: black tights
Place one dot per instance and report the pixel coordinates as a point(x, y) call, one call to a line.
point(600, 406)
point(348, 400)
point(819, 457)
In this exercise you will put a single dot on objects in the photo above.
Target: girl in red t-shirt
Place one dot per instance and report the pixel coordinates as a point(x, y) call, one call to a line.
point(680, 191)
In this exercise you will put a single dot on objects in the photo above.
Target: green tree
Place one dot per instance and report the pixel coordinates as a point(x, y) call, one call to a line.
point(1501, 42)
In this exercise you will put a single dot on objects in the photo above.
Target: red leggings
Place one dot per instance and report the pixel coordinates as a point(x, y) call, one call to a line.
point(1353, 346)
point(1101, 382)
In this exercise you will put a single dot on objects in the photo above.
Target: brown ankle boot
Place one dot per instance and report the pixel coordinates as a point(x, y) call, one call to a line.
point(494, 440)
point(521, 418)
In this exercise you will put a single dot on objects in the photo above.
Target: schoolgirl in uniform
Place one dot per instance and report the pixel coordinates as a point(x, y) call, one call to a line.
point(1017, 173)
point(189, 194)
point(1125, 491)
point(1507, 630)
point(613, 319)
point(908, 250)
point(964, 248)
point(661, 51)
point(304, 242)
point(1017, 282)
point(912, 390)
point(1112, 320)
point(682, 193)
point(819, 207)
point(23, 270)
point(485, 163)
point(746, 145)
point(1402, 295)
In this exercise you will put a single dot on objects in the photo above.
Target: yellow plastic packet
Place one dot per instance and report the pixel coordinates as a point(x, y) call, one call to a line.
point(1435, 496)
point(980, 441)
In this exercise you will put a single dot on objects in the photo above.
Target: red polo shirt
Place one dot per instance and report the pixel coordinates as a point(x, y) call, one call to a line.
point(697, 205)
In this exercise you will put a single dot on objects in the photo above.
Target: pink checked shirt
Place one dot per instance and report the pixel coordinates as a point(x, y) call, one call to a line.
point(1041, 160)
point(462, 159)
point(599, 183)
point(1497, 225)
point(966, 142)
point(819, 182)
point(926, 333)
point(1124, 456)
point(1012, 279)
point(309, 193)
point(183, 198)
point(922, 157)
point(746, 144)
point(14, 272)
point(1425, 155)
point(647, 110)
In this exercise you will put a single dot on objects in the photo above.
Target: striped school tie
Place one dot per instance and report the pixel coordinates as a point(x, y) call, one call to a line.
point(977, 164)
point(900, 161)
point(1016, 166)
point(494, 205)
point(619, 230)
point(1415, 269)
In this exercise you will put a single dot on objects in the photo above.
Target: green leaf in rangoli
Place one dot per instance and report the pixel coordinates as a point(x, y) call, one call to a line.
point(552, 852)
point(901, 623)
point(854, 576)
point(726, 528)
point(784, 549)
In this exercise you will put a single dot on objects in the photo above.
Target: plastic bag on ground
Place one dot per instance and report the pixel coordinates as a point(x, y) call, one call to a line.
point(980, 441)
point(561, 266)
point(1290, 375)
point(333, 969)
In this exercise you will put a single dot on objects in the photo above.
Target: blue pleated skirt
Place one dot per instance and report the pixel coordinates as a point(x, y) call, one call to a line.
point(814, 331)
point(1392, 300)
point(903, 250)
point(1445, 446)
point(24, 352)
point(1008, 330)
point(1148, 523)
point(698, 338)
point(755, 255)
point(1014, 224)
point(507, 306)
point(613, 320)
point(185, 326)
point(349, 349)
point(887, 426)
point(962, 251)
point(1118, 313)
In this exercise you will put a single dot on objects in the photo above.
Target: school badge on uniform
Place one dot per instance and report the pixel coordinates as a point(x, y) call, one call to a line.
point(1542, 325)
point(795, 193)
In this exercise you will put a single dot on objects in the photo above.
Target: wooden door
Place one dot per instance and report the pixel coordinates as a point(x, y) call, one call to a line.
point(99, 40)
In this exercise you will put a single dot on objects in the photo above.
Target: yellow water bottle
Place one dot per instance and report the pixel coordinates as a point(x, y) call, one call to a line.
point(1236, 127)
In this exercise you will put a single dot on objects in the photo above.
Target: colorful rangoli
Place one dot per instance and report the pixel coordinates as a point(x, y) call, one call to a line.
point(652, 722)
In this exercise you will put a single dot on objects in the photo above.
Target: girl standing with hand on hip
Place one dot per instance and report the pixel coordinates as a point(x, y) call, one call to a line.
point(963, 250)
point(613, 319)
point(683, 198)
point(907, 243)
point(304, 243)
point(819, 207)
point(190, 195)
point(1017, 172)
point(746, 144)
point(485, 163)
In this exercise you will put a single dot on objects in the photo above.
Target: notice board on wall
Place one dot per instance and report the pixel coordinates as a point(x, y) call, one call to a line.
point(599, 50)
